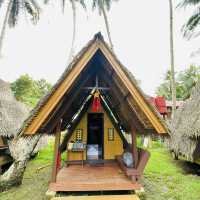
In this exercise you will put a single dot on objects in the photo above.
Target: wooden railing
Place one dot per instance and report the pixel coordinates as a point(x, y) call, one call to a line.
point(135, 173)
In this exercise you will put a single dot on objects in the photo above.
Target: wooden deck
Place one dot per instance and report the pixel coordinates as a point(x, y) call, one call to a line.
point(100, 197)
point(92, 178)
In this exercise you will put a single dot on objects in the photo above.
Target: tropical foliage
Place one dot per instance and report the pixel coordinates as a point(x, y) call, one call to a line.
point(185, 81)
point(103, 6)
point(13, 10)
point(190, 28)
point(28, 90)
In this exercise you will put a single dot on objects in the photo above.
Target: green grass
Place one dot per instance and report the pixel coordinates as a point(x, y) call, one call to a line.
point(164, 178)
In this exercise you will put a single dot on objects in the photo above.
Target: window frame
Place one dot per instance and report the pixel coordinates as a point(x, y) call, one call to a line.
point(111, 134)
point(81, 135)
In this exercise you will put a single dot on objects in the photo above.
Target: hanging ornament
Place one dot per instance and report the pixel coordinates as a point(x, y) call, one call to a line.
point(96, 104)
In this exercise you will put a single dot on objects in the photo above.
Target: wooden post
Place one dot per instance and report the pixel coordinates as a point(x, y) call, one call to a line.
point(134, 146)
point(56, 152)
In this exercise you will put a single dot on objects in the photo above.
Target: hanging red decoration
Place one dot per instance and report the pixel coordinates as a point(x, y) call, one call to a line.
point(96, 104)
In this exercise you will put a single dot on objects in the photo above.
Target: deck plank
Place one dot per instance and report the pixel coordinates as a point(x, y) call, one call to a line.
point(93, 178)
point(100, 197)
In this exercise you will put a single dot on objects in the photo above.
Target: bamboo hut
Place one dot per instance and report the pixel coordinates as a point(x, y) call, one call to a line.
point(99, 104)
point(185, 128)
point(12, 115)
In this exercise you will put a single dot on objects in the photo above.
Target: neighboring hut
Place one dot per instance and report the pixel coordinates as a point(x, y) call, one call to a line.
point(185, 128)
point(12, 115)
point(99, 104)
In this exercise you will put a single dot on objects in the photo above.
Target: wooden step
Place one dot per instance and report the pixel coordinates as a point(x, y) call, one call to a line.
point(99, 197)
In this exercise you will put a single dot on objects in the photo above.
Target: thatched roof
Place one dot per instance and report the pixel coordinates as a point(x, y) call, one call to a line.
point(12, 115)
point(69, 98)
point(12, 112)
point(185, 127)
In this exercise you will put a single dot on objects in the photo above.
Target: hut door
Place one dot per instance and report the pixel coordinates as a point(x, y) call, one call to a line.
point(95, 136)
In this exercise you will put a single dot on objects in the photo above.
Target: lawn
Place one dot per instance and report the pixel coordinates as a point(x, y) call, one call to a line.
point(164, 179)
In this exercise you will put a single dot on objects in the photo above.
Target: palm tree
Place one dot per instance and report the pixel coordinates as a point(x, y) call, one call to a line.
point(173, 84)
point(102, 6)
point(13, 9)
point(190, 28)
point(73, 4)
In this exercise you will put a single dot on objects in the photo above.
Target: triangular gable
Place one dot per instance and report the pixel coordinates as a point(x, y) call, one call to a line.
point(49, 103)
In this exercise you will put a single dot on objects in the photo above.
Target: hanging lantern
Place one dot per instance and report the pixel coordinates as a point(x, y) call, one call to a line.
point(96, 104)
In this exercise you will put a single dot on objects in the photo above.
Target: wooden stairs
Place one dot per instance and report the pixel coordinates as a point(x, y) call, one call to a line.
point(100, 197)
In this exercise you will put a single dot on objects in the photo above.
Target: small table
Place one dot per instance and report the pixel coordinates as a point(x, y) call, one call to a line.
point(81, 151)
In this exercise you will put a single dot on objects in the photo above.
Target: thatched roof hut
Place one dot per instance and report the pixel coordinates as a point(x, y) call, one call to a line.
point(185, 127)
point(12, 114)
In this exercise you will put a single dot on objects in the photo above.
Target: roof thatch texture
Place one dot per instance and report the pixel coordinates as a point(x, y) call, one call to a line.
point(12, 112)
point(185, 127)
point(12, 115)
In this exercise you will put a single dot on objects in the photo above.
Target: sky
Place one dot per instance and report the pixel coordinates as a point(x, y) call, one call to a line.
point(139, 29)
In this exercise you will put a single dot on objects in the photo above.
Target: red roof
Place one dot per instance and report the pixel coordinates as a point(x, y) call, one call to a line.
point(160, 104)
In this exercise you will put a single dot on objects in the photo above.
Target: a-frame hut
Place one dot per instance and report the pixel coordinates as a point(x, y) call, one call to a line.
point(98, 102)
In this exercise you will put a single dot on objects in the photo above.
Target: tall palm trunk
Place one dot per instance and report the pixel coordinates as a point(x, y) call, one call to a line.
point(173, 84)
point(71, 54)
point(3, 30)
point(107, 24)
point(21, 150)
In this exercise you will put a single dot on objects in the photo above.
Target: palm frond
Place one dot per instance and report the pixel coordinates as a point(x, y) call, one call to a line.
point(83, 4)
point(190, 27)
point(186, 3)
point(33, 9)
point(1, 2)
point(14, 13)
point(46, 1)
point(107, 4)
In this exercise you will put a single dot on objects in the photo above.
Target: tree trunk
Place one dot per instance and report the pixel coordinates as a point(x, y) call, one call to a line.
point(21, 149)
point(3, 30)
point(173, 84)
point(71, 53)
point(107, 25)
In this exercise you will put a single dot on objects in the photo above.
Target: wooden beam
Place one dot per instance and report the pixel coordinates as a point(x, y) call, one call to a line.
point(134, 146)
point(56, 152)
point(69, 99)
point(125, 104)
point(67, 136)
point(115, 125)
point(135, 93)
point(61, 90)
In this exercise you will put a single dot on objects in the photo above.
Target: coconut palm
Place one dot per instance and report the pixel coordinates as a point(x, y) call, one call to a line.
point(73, 4)
point(13, 9)
point(173, 84)
point(103, 6)
point(190, 28)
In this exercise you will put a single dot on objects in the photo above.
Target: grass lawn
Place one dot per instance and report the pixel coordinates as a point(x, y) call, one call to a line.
point(164, 179)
